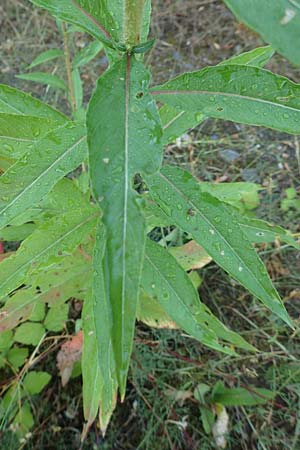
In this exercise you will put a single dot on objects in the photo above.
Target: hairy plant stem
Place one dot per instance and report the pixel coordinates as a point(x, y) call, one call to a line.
point(69, 68)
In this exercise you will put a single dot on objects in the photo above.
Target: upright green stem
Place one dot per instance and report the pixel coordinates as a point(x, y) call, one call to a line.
point(69, 68)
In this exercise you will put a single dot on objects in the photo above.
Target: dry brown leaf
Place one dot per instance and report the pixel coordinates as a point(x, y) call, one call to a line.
point(69, 353)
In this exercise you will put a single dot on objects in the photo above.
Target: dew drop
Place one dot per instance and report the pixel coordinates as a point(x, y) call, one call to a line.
point(105, 160)
point(240, 269)
point(212, 231)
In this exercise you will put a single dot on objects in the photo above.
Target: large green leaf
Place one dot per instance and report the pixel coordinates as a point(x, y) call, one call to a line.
point(242, 94)
point(167, 282)
point(13, 101)
point(175, 123)
point(278, 22)
point(213, 226)
point(31, 177)
point(115, 156)
point(101, 314)
point(55, 238)
point(18, 133)
point(91, 15)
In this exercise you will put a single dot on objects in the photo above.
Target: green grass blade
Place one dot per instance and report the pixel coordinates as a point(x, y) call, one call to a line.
point(216, 229)
point(241, 94)
point(26, 182)
point(115, 156)
point(168, 283)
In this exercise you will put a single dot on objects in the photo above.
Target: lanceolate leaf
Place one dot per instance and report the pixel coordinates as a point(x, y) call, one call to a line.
point(175, 123)
point(241, 396)
point(116, 155)
point(242, 94)
point(214, 227)
point(44, 78)
point(46, 56)
point(259, 231)
point(278, 22)
point(257, 57)
point(167, 282)
point(30, 178)
point(102, 316)
point(18, 133)
point(90, 15)
point(13, 101)
point(55, 238)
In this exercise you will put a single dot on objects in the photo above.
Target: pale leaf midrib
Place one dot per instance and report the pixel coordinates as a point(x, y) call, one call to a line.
point(126, 189)
point(167, 125)
point(16, 139)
